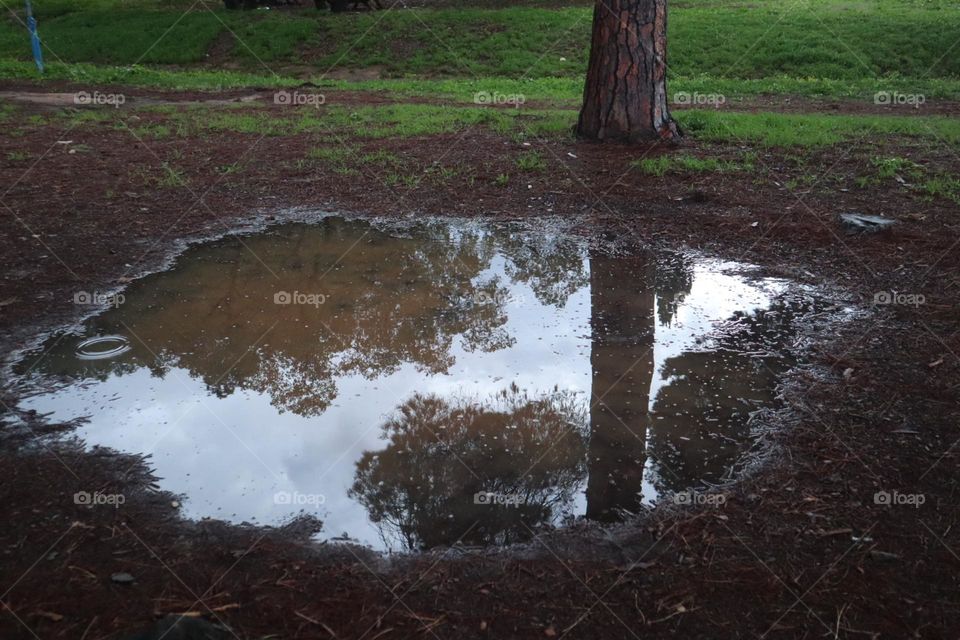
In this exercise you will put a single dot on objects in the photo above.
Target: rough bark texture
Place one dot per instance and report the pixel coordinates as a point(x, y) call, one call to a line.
point(625, 97)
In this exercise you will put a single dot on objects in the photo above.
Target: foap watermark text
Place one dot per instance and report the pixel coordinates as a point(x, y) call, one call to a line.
point(96, 499)
point(898, 297)
point(895, 498)
point(298, 499)
point(95, 298)
point(299, 297)
point(99, 99)
point(704, 499)
point(497, 98)
point(299, 99)
point(503, 499)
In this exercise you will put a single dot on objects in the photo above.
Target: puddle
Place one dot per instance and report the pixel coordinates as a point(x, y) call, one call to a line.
point(444, 382)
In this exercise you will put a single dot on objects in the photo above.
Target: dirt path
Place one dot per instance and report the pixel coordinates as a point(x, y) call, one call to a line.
point(61, 94)
point(800, 550)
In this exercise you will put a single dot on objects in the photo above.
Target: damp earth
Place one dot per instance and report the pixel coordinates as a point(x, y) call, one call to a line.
point(435, 383)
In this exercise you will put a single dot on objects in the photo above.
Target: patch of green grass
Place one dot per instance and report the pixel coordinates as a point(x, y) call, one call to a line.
point(928, 182)
point(45, 9)
point(18, 156)
point(664, 164)
point(382, 157)
point(7, 110)
point(445, 174)
point(171, 176)
point(270, 36)
point(118, 37)
point(227, 169)
point(395, 179)
point(154, 131)
point(897, 167)
point(502, 180)
point(141, 76)
point(333, 155)
point(943, 187)
point(811, 130)
point(339, 158)
point(531, 161)
point(166, 176)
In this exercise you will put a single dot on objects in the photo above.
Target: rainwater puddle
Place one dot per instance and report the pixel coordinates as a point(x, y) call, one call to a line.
point(444, 382)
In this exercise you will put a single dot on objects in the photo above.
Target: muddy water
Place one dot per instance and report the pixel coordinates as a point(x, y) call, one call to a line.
point(411, 388)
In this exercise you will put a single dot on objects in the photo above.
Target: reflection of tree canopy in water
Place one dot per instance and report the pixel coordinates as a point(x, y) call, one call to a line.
point(553, 266)
point(701, 418)
point(674, 279)
point(389, 301)
point(420, 489)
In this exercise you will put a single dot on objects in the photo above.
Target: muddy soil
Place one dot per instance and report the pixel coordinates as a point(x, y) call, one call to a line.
point(803, 548)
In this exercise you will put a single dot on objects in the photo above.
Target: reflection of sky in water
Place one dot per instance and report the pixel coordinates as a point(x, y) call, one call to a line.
point(231, 455)
point(713, 296)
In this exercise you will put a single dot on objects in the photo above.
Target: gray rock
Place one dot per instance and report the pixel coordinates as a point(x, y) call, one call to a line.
point(861, 223)
point(122, 578)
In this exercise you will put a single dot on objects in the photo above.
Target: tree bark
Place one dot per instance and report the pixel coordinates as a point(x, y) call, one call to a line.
point(625, 97)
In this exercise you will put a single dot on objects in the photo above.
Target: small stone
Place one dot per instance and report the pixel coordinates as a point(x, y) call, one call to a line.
point(122, 578)
point(860, 223)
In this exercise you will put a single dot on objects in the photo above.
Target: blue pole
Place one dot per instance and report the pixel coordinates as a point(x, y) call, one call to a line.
point(34, 38)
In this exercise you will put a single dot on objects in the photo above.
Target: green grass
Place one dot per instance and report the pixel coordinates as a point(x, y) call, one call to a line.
point(897, 167)
point(662, 165)
point(942, 187)
point(45, 9)
point(118, 37)
point(339, 158)
point(382, 157)
point(566, 91)
point(531, 161)
point(273, 36)
point(333, 155)
point(812, 130)
point(166, 176)
point(141, 76)
point(928, 182)
point(336, 123)
point(370, 122)
point(813, 40)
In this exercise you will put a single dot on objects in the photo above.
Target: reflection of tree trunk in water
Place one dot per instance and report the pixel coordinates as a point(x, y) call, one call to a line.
point(622, 302)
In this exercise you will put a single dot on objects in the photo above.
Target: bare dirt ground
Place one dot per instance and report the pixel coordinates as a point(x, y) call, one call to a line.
point(799, 550)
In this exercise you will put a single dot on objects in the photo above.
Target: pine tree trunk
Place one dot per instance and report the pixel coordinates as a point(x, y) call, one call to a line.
point(625, 97)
